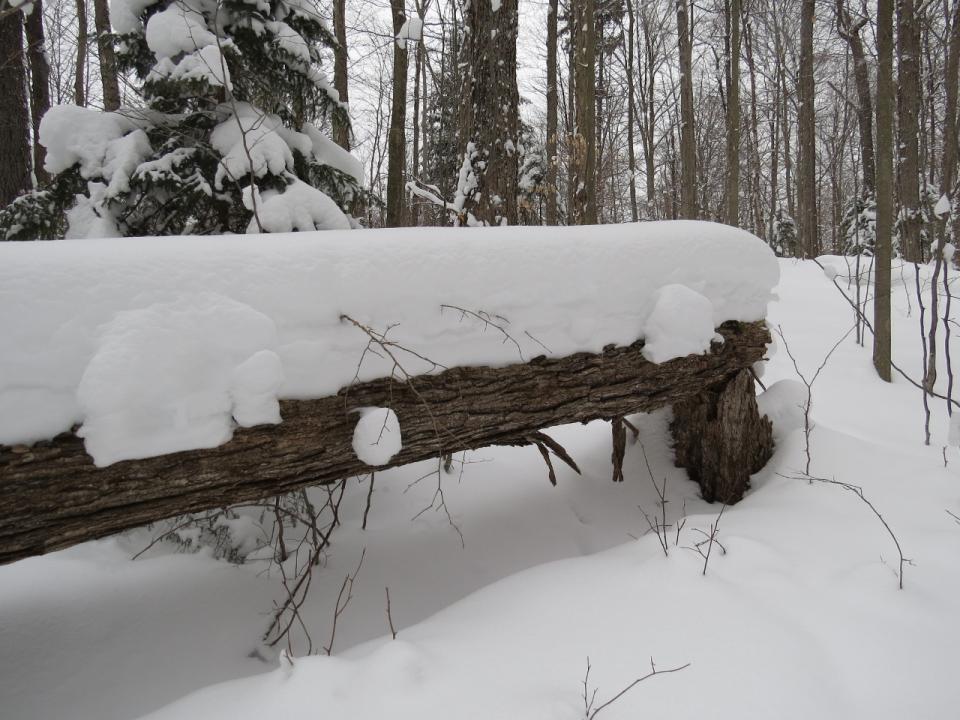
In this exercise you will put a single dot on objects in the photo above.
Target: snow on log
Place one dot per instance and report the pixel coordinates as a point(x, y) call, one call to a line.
point(157, 351)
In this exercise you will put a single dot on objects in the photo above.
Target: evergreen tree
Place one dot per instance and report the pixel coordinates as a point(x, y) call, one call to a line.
point(858, 227)
point(227, 140)
point(783, 240)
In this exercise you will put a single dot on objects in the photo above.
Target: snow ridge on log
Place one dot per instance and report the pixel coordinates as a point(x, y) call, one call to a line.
point(53, 496)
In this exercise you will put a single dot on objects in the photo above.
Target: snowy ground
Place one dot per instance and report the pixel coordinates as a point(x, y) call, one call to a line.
point(800, 618)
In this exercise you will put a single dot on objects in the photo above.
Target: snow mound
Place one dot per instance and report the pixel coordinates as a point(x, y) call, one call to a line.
point(102, 311)
point(681, 324)
point(170, 376)
point(376, 438)
point(784, 403)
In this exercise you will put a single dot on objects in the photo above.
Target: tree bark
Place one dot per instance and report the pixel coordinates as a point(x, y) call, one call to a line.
point(721, 438)
point(688, 141)
point(108, 59)
point(631, 118)
point(39, 86)
point(341, 130)
point(53, 496)
point(850, 32)
point(885, 91)
point(807, 197)
point(908, 151)
point(551, 178)
point(584, 150)
point(80, 78)
point(733, 116)
point(397, 146)
point(14, 114)
point(494, 118)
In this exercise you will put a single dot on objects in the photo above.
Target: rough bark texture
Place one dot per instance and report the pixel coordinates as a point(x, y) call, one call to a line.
point(583, 151)
point(885, 95)
point(721, 439)
point(39, 86)
point(341, 130)
point(494, 119)
point(551, 179)
point(52, 496)
point(14, 114)
point(397, 144)
point(733, 116)
point(108, 59)
point(850, 32)
point(80, 80)
point(908, 148)
point(806, 136)
point(688, 138)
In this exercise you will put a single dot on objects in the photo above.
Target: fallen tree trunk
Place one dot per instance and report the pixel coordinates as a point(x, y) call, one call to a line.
point(53, 496)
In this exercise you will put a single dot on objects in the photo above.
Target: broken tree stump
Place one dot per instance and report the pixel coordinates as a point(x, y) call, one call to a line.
point(721, 439)
point(53, 496)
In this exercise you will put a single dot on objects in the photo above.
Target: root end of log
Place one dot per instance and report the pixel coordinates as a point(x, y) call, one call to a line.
point(721, 438)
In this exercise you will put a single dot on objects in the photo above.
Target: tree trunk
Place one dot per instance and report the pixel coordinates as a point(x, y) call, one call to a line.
point(493, 128)
point(397, 146)
point(951, 123)
point(80, 77)
point(584, 150)
point(885, 91)
point(807, 198)
point(733, 116)
point(14, 113)
point(688, 141)
point(908, 151)
point(39, 86)
point(551, 178)
point(53, 496)
point(850, 32)
point(631, 118)
point(108, 60)
point(341, 130)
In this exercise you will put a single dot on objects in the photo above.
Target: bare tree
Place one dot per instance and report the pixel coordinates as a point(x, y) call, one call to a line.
point(397, 150)
point(491, 127)
point(908, 150)
point(584, 151)
point(14, 115)
point(80, 81)
point(733, 114)
point(39, 85)
point(341, 130)
point(108, 59)
point(688, 143)
point(551, 179)
point(807, 185)
point(885, 90)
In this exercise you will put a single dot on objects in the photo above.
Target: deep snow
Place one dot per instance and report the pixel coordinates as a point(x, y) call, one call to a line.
point(800, 618)
point(102, 332)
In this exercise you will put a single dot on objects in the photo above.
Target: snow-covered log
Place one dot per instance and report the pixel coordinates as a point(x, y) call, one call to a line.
point(141, 358)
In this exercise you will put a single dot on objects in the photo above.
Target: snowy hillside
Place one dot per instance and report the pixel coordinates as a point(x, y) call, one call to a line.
point(800, 617)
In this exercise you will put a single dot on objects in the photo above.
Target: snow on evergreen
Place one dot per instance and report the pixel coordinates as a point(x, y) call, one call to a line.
point(227, 141)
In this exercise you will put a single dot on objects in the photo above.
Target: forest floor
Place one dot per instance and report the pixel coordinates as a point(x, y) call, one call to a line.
point(798, 615)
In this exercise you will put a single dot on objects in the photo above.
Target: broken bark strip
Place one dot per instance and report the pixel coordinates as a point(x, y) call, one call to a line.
point(52, 496)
